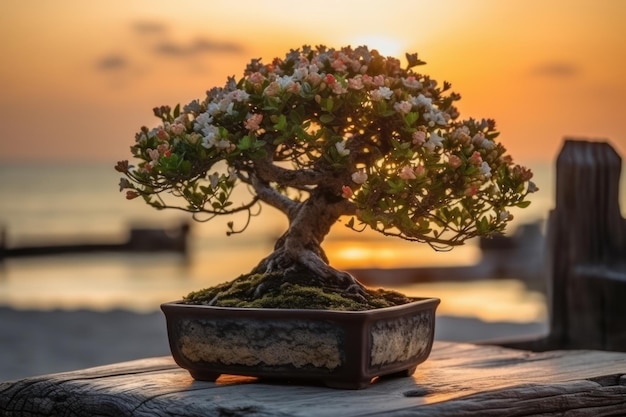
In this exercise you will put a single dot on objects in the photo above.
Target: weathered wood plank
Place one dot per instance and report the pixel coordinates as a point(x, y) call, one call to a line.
point(577, 398)
point(483, 380)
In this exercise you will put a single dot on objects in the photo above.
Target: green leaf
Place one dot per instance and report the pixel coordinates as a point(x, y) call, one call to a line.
point(281, 124)
point(326, 118)
point(245, 143)
point(411, 118)
point(482, 225)
point(328, 104)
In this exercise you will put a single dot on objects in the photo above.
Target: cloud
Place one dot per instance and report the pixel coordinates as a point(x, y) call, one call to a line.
point(151, 42)
point(163, 44)
point(197, 47)
point(149, 28)
point(112, 62)
point(556, 69)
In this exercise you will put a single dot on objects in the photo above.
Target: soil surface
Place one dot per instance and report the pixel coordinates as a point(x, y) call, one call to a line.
point(294, 291)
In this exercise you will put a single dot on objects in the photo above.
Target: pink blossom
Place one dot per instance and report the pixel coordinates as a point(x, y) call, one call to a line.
point(411, 82)
point(471, 190)
point(355, 83)
point(478, 138)
point(314, 79)
point(454, 161)
point(330, 79)
point(253, 122)
point(131, 194)
point(256, 78)
point(368, 80)
point(272, 89)
point(177, 128)
point(293, 88)
point(476, 159)
point(523, 173)
point(164, 149)
point(379, 80)
point(339, 89)
point(420, 170)
point(338, 65)
point(403, 107)
point(162, 135)
point(419, 137)
point(239, 95)
point(462, 135)
point(153, 154)
point(407, 173)
point(346, 191)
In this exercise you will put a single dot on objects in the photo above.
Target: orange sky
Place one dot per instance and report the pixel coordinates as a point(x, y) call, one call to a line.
point(79, 78)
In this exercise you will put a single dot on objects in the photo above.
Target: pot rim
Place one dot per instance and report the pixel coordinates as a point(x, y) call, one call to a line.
point(417, 304)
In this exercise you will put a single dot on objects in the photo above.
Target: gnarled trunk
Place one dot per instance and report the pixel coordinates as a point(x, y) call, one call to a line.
point(300, 246)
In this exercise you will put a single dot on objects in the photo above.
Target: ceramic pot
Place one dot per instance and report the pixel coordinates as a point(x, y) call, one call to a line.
point(342, 349)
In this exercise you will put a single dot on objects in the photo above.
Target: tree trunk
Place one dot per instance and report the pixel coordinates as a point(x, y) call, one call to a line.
point(299, 248)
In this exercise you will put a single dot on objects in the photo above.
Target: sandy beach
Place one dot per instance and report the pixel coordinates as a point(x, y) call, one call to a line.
point(34, 342)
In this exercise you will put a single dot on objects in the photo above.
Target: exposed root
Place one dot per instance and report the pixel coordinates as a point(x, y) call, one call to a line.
point(317, 272)
point(296, 286)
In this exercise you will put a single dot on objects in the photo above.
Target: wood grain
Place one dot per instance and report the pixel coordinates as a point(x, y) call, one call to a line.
point(457, 378)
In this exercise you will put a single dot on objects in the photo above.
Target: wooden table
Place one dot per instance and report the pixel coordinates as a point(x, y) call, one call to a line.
point(457, 379)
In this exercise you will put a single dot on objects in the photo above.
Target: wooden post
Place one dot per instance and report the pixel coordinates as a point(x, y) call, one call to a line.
point(586, 259)
point(586, 239)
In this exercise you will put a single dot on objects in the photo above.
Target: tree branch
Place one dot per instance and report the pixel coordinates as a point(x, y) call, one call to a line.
point(272, 197)
point(299, 179)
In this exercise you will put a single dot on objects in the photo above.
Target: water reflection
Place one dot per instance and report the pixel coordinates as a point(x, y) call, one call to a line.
point(141, 283)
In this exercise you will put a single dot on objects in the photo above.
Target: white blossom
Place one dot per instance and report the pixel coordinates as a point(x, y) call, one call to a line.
point(422, 101)
point(485, 169)
point(488, 144)
point(359, 177)
point(211, 133)
point(341, 148)
point(214, 179)
point(382, 93)
point(202, 121)
point(433, 141)
point(504, 216)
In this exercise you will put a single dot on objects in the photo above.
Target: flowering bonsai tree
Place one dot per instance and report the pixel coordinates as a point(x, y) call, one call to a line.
point(326, 133)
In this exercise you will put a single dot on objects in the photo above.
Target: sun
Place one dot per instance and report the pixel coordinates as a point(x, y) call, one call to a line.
point(386, 45)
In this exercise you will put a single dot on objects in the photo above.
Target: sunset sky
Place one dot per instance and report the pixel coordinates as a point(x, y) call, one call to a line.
point(79, 78)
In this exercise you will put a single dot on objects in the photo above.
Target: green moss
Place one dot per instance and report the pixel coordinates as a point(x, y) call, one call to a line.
point(275, 290)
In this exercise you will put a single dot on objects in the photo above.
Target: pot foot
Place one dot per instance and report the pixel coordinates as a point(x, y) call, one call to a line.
point(204, 376)
point(403, 373)
point(359, 384)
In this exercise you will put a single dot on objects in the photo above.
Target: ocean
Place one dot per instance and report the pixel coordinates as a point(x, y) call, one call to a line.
point(47, 204)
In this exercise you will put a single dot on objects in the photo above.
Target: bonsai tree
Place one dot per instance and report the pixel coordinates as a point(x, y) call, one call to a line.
point(323, 135)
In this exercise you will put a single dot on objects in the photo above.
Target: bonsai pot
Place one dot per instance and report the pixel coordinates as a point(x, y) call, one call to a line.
point(342, 349)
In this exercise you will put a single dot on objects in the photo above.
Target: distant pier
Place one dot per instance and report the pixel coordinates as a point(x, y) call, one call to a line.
point(141, 239)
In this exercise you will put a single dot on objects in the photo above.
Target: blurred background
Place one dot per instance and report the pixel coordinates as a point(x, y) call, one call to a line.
point(79, 79)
